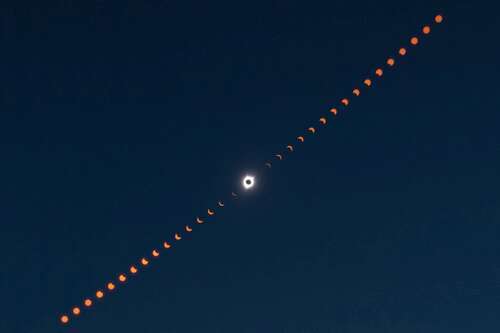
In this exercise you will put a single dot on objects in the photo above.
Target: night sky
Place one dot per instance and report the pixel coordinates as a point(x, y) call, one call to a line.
point(121, 121)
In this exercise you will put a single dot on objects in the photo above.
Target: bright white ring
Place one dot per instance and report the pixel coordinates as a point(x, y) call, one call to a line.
point(248, 182)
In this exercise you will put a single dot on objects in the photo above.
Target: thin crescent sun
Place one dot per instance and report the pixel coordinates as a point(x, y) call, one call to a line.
point(177, 237)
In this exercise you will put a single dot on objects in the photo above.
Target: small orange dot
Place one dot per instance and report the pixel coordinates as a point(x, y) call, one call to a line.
point(133, 270)
point(402, 51)
point(155, 253)
point(111, 286)
point(426, 30)
point(367, 82)
point(390, 62)
point(334, 111)
point(64, 319)
point(76, 311)
point(88, 302)
point(356, 92)
point(414, 41)
point(99, 294)
point(144, 261)
point(167, 245)
point(438, 19)
point(122, 278)
point(379, 72)
point(345, 101)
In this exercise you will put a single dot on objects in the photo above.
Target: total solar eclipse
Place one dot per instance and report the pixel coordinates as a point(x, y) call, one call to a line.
point(248, 182)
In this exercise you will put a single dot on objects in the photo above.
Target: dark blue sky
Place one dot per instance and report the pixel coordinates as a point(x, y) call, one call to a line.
point(120, 121)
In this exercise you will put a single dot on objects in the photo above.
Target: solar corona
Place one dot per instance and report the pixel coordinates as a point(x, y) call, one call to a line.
point(248, 182)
